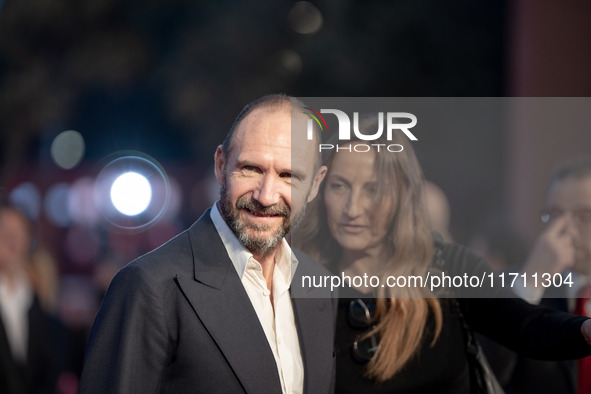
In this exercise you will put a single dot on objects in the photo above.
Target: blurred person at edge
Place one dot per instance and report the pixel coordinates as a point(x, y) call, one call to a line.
point(29, 358)
point(369, 219)
point(438, 209)
point(213, 309)
point(564, 246)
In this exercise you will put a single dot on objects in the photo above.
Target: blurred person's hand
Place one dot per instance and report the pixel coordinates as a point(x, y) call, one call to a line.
point(554, 249)
point(586, 330)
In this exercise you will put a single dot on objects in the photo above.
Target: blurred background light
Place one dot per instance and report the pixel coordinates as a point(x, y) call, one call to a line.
point(162, 232)
point(131, 193)
point(127, 245)
point(27, 198)
point(289, 63)
point(175, 200)
point(305, 18)
point(67, 149)
point(204, 193)
point(56, 204)
point(81, 204)
point(82, 245)
point(77, 300)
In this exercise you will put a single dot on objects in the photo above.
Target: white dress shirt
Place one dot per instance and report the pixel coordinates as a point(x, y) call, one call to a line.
point(278, 324)
point(15, 302)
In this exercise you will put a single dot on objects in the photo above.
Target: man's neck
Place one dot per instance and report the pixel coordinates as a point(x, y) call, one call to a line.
point(12, 278)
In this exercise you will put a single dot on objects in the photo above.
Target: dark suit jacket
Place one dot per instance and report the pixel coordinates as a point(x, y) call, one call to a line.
point(40, 373)
point(539, 376)
point(178, 320)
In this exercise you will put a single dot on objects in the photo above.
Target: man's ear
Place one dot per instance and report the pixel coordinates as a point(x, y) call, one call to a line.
point(320, 174)
point(220, 160)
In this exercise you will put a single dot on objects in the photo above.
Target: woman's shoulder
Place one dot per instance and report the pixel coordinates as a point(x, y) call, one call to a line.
point(455, 256)
point(447, 255)
point(464, 273)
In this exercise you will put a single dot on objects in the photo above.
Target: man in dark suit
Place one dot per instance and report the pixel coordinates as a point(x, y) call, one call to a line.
point(213, 309)
point(564, 247)
point(29, 360)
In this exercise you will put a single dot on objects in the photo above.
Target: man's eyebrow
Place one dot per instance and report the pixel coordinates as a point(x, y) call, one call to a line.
point(295, 172)
point(244, 162)
point(247, 162)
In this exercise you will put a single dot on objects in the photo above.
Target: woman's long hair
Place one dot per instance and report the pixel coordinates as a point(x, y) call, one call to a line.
point(401, 318)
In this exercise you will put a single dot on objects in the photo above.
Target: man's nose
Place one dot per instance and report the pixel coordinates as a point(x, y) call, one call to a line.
point(266, 192)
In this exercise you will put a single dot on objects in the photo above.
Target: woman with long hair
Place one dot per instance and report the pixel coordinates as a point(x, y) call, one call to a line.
point(369, 220)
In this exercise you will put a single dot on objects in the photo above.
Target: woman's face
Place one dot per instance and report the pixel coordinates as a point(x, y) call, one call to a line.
point(354, 220)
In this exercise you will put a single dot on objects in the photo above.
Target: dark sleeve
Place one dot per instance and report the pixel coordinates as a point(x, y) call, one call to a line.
point(127, 346)
point(531, 330)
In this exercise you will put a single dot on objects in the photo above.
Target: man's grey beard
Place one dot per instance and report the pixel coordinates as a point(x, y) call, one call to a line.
point(257, 244)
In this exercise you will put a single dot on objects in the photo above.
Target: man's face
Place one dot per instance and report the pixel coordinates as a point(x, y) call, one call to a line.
point(572, 196)
point(266, 182)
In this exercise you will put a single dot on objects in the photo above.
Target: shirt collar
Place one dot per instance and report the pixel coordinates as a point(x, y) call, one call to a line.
point(286, 261)
point(20, 296)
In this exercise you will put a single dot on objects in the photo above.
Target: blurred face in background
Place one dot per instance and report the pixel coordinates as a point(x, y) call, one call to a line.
point(14, 240)
point(354, 219)
point(572, 196)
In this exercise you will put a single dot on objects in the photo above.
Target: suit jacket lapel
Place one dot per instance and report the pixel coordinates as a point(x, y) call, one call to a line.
point(314, 319)
point(9, 375)
point(221, 303)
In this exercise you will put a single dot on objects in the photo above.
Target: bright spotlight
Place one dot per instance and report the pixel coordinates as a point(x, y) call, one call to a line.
point(131, 193)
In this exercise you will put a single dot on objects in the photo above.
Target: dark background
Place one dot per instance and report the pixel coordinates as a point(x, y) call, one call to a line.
point(166, 78)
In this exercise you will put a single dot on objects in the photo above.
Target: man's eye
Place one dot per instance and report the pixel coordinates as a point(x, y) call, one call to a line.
point(285, 175)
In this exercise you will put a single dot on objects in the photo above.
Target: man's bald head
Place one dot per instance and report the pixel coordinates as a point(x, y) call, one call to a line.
point(272, 102)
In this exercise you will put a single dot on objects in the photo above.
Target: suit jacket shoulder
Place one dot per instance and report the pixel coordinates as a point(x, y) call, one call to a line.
point(178, 319)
